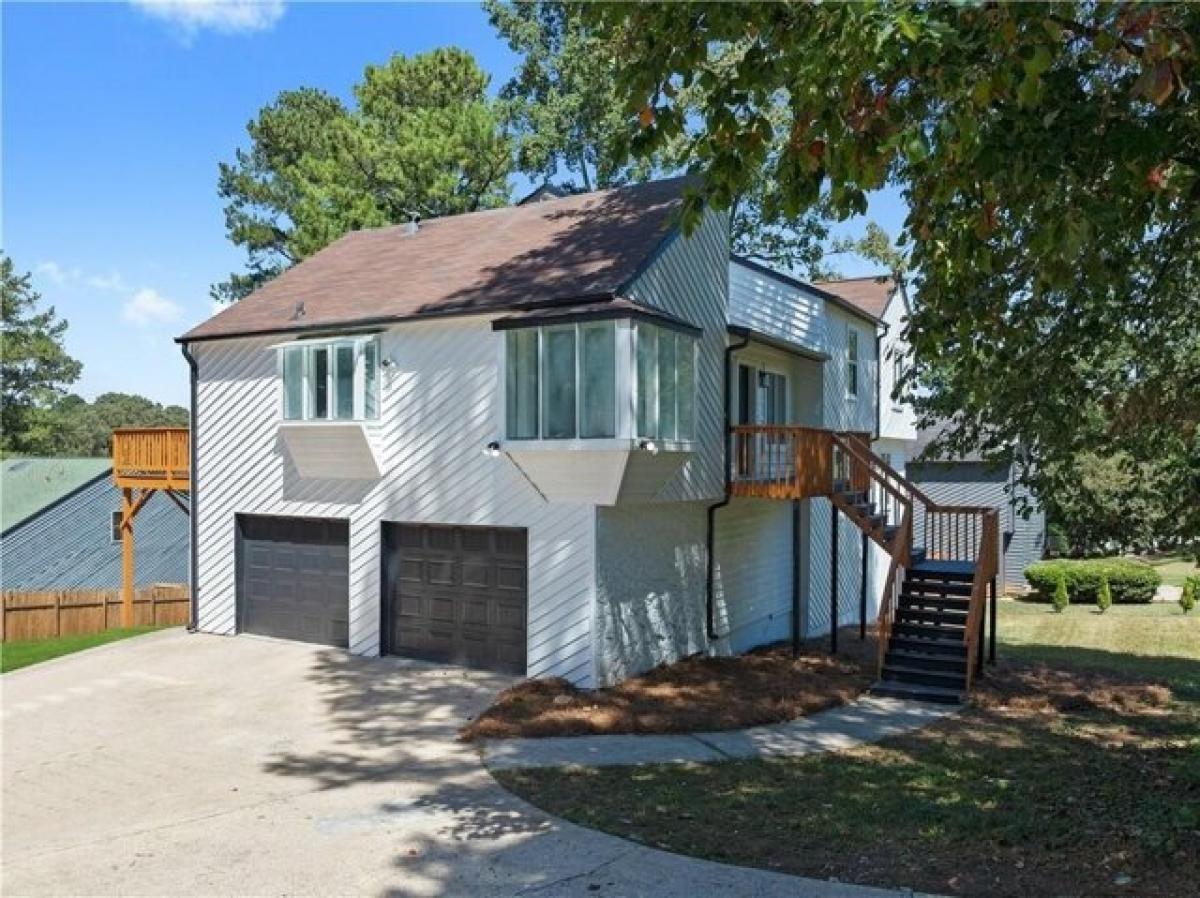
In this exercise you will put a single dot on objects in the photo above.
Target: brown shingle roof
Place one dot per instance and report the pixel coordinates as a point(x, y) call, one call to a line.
point(573, 248)
point(871, 294)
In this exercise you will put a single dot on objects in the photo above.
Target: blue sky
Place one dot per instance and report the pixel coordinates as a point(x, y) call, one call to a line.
point(115, 117)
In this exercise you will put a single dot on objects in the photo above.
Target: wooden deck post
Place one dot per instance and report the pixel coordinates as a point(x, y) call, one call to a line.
point(833, 581)
point(126, 557)
point(862, 596)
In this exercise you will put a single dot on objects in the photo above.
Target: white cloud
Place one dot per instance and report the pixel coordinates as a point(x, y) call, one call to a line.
point(111, 281)
point(223, 16)
point(55, 273)
point(148, 307)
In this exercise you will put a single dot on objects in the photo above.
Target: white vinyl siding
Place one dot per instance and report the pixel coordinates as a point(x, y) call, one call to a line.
point(441, 403)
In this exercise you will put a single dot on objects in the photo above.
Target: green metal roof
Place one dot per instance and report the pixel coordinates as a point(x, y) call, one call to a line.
point(27, 485)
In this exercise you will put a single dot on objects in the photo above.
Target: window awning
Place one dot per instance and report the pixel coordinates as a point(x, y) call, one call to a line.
point(607, 309)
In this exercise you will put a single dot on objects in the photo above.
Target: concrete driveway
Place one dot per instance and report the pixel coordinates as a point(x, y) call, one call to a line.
point(177, 764)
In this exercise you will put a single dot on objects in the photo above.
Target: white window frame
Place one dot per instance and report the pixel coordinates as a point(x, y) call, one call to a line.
point(359, 379)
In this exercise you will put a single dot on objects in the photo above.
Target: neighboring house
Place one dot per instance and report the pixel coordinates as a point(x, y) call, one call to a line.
point(60, 525)
point(968, 480)
point(895, 430)
point(499, 440)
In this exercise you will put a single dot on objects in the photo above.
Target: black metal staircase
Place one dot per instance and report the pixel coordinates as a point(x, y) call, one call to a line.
point(926, 657)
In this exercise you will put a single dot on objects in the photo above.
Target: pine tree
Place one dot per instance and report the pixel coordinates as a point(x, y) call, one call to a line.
point(1104, 596)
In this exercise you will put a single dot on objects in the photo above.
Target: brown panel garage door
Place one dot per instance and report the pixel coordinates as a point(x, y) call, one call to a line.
point(456, 594)
point(294, 578)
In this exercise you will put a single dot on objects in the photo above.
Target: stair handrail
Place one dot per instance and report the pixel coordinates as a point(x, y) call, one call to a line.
point(885, 471)
point(986, 568)
point(889, 601)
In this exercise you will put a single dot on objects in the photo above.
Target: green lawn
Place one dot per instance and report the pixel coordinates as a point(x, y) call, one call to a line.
point(14, 655)
point(1175, 567)
point(1077, 765)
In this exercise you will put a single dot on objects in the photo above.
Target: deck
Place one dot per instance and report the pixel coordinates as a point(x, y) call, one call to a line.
point(151, 458)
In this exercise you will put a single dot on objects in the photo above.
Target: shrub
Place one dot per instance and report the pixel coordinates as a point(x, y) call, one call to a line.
point(1104, 596)
point(1061, 599)
point(1130, 581)
point(1191, 593)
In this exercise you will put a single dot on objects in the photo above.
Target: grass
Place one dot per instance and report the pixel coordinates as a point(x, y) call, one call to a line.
point(1174, 567)
point(15, 655)
point(1076, 766)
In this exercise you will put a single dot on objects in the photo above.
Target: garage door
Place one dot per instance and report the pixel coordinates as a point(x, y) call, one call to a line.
point(294, 578)
point(456, 594)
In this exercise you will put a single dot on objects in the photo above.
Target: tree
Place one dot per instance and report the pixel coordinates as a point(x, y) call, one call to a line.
point(34, 365)
point(875, 245)
point(568, 114)
point(1049, 156)
point(423, 140)
point(72, 426)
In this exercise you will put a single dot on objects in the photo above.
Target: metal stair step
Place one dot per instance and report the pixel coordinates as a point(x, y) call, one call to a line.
point(921, 677)
point(950, 619)
point(935, 602)
point(937, 694)
point(929, 633)
point(923, 661)
point(915, 585)
point(942, 648)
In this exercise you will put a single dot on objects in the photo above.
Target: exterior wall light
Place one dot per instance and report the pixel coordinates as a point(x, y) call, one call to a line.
point(492, 449)
point(649, 446)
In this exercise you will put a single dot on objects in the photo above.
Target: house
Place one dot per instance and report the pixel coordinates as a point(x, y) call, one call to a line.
point(560, 438)
point(895, 427)
point(61, 528)
point(970, 480)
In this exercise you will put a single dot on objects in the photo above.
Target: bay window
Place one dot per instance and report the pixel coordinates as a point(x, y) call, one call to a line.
point(330, 380)
point(599, 379)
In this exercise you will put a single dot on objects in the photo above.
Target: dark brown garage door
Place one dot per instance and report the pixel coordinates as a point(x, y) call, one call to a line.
point(456, 594)
point(294, 578)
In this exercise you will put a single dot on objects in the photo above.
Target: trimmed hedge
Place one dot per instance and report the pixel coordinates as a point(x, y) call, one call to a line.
point(1131, 582)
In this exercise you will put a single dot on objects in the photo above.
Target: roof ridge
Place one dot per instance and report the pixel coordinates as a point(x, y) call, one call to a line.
point(534, 208)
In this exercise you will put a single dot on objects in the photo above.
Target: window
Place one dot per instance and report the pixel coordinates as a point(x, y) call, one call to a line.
point(562, 382)
point(331, 380)
point(116, 526)
point(558, 381)
point(598, 370)
point(772, 398)
point(521, 379)
point(897, 377)
point(851, 361)
point(665, 384)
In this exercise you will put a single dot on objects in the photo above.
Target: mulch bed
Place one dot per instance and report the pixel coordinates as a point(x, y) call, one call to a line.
point(1053, 781)
point(697, 694)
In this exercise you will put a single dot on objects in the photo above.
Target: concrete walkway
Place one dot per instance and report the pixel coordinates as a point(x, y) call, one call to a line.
point(200, 765)
point(866, 720)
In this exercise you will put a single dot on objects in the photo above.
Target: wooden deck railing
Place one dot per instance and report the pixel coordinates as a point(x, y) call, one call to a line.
point(889, 601)
point(780, 462)
point(151, 457)
point(987, 566)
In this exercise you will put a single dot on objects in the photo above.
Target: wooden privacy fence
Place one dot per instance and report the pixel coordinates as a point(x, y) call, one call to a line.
point(47, 614)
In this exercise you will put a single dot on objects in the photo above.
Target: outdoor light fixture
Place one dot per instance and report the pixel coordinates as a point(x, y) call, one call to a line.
point(492, 449)
point(649, 446)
